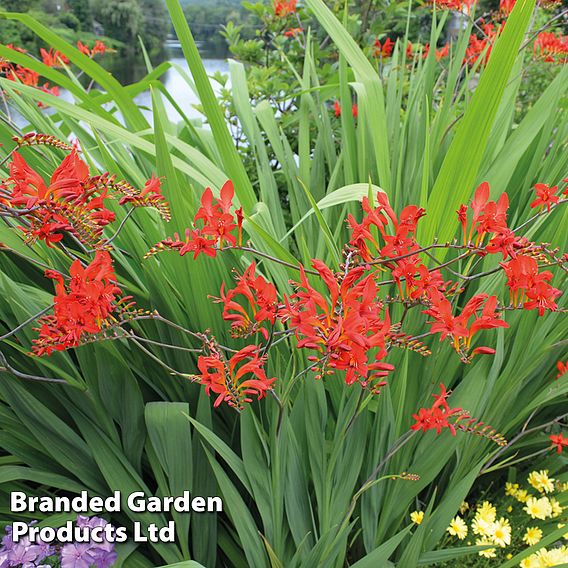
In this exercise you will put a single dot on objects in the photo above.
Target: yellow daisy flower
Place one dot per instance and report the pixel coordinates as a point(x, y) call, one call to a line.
point(540, 481)
point(552, 556)
point(458, 527)
point(486, 512)
point(538, 508)
point(481, 527)
point(501, 532)
point(532, 536)
point(557, 508)
point(531, 561)
point(417, 517)
point(522, 495)
point(511, 489)
point(488, 552)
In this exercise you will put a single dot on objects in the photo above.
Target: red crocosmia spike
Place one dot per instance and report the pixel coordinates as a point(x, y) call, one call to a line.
point(559, 441)
point(81, 308)
point(345, 326)
point(99, 47)
point(458, 328)
point(218, 222)
point(479, 48)
point(53, 58)
point(235, 380)
point(551, 48)
point(545, 196)
point(217, 226)
point(383, 50)
point(67, 203)
point(260, 304)
point(562, 368)
point(149, 196)
point(438, 416)
point(526, 284)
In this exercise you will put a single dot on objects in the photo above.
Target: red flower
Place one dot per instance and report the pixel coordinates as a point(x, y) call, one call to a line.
point(293, 32)
point(81, 308)
point(506, 242)
point(562, 368)
point(447, 4)
point(545, 195)
point(551, 47)
point(506, 6)
point(542, 297)
point(67, 203)
point(445, 323)
point(458, 328)
point(429, 283)
point(336, 109)
point(150, 196)
point(438, 416)
point(23, 75)
point(489, 217)
point(355, 110)
point(99, 47)
point(344, 326)
point(283, 8)
point(53, 58)
point(217, 220)
point(481, 46)
point(383, 50)
point(443, 52)
point(262, 302)
point(401, 242)
point(235, 380)
point(559, 441)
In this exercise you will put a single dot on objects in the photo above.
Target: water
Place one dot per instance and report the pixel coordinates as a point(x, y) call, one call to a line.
point(133, 69)
point(179, 90)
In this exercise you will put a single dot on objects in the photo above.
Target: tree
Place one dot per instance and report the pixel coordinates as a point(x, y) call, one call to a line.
point(122, 19)
point(82, 10)
point(156, 24)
